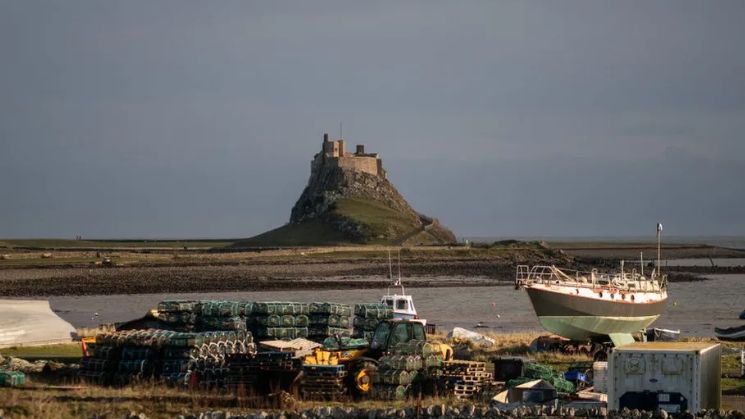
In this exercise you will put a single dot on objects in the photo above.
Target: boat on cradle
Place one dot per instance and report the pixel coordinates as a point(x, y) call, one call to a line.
point(587, 305)
point(731, 333)
point(584, 306)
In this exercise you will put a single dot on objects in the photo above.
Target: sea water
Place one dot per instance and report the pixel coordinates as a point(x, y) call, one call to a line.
point(693, 307)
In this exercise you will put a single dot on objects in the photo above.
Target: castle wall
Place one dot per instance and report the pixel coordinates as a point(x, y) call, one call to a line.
point(334, 152)
point(361, 164)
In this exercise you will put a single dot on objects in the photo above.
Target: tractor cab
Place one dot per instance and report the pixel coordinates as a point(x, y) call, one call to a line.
point(390, 333)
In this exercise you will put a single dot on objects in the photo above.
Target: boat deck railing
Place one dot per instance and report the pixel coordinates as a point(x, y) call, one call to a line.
point(551, 275)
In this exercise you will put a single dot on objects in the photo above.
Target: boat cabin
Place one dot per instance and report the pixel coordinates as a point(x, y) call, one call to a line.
point(402, 305)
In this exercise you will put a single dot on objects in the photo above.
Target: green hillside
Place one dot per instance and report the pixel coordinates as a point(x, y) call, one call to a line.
point(377, 223)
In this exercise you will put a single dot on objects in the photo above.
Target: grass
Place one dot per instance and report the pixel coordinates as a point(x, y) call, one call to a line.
point(91, 401)
point(62, 351)
point(107, 244)
point(159, 401)
point(382, 224)
point(312, 232)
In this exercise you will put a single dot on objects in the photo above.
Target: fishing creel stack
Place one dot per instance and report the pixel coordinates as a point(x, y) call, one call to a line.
point(202, 357)
point(176, 357)
point(223, 315)
point(279, 320)
point(407, 369)
point(102, 362)
point(367, 317)
point(204, 316)
point(329, 319)
point(179, 315)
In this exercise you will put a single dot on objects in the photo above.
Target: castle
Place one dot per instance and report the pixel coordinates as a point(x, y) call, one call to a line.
point(334, 154)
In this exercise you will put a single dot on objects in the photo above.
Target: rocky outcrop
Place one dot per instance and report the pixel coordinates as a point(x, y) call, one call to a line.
point(349, 199)
point(331, 184)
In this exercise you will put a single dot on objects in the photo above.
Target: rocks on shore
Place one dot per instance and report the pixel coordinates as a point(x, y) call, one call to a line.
point(456, 411)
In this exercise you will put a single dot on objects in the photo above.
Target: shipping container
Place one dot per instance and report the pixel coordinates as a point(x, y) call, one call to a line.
point(671, 376)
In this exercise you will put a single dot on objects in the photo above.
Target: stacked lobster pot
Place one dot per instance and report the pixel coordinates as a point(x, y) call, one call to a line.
point(329, 319)
point(180, 315)
point(224, 315)
point(280, 320)
point(202, 357)
point(102, 362)
point(202, 316)
point(175, 357)
point(119, 357)
point(408, 368)
point(247, 370)
point(367, 317)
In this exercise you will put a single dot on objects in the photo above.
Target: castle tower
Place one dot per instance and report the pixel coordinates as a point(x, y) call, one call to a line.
point(334, 154)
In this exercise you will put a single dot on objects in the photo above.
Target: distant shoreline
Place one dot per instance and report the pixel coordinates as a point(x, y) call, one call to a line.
point(44, 272)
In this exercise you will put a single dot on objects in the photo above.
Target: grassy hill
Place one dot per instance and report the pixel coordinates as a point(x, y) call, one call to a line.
point(376, 224)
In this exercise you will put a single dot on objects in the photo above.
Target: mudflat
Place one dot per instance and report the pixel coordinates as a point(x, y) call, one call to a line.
point(68, 270)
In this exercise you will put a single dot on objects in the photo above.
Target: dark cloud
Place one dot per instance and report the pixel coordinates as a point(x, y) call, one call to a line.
point(193, 119)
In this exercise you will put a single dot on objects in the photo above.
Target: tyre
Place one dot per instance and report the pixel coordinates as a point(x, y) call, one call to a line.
point(362, 378)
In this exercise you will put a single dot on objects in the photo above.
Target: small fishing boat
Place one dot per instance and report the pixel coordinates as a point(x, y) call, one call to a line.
point(730, 333)
point(481, 325)
point(656, 334)
point(402, 304)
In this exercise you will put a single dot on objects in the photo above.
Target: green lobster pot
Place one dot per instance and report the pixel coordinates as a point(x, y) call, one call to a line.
point(400, 392)
point(301, 320)
point(12, 378)
point(287, 320)
point(396, 377)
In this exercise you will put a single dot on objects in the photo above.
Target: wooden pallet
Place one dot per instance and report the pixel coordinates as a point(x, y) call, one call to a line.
point(465, 379)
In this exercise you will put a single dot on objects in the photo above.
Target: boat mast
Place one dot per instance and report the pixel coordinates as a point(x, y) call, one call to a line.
point(641, 262)
point(659, 233)
point(390, 266)
point(398, 282)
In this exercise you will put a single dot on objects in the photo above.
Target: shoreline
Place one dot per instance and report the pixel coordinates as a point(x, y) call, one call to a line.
point(141, 271)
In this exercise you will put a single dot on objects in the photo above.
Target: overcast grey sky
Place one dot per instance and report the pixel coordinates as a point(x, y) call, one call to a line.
point(161, 118)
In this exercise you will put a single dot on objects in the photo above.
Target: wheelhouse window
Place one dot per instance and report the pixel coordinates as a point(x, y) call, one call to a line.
point(402, 305)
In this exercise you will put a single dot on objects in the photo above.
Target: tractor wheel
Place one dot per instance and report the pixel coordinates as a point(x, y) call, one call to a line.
point(362, 377)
